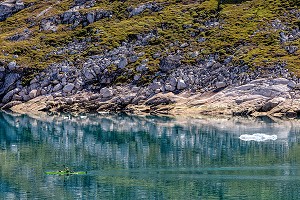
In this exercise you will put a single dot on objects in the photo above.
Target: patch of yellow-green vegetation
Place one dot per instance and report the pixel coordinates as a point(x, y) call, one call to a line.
point(247, 31)
point(244, 31)
point(31, 52)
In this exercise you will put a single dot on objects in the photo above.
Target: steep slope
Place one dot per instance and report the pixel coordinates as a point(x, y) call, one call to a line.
point(175, 45)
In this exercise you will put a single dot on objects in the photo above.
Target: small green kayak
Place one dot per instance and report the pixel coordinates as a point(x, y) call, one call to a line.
point(66, 173)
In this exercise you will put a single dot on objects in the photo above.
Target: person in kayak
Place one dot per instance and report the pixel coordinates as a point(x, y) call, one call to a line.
point(66, 170)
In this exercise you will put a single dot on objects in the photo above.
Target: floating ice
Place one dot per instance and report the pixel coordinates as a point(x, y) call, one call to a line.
point(258, 137)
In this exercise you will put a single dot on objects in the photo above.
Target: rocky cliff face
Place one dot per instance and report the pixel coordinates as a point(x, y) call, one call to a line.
point(84, 56)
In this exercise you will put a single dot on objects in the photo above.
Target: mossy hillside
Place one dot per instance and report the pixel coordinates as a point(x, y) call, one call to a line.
point(243, 31)
point(254, 29)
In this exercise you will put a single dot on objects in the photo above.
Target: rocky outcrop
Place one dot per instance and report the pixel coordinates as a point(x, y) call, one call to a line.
point(272, 97)
point(20, 36)
point(90, 88)
point(96, 83)
point(152, 6)
point(74, 18)
point(9, 7)
point(10, 82)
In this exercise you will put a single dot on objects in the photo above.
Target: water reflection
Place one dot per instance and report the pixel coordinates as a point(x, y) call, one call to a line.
point(130, 157)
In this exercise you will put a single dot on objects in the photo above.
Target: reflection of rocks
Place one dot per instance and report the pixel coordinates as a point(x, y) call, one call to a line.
point(164, 125)
point(131, 144)
point(122, 139)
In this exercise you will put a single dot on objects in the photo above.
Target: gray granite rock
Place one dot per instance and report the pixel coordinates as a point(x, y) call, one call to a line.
point(170, 87)
point(170, 62)
point(156, 85)
point(9, 95)
point(9, 82)
point(12, 66)
point(181, 84)
point(220, 84)
point(90, 17)
point(9, 7)
point(57, 87)
point(123, 62)
point(33, 93)
point(106, 92)
point(68, 88)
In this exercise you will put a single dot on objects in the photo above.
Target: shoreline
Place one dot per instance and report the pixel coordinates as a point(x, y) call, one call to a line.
point(261, 97)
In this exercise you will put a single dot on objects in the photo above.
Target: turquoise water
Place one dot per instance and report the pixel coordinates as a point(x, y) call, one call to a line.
point(130, 157)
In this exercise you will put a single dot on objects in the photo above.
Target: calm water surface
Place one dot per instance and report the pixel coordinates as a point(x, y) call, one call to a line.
point(129, 157)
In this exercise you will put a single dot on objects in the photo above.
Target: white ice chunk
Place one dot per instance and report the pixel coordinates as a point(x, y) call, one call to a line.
point(258, 137)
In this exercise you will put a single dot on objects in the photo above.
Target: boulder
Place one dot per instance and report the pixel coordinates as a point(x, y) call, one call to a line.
point(181, 84)
point(45, 82)
point(173, 81)
point(9, 95)
point(133, 59)
point(26, 98)
point(9, 7)
point(65, 68)
point(122, 63)
point(152, 6)
point(69, 101)
point(106, 92)
point(170, 62)
point(201, 39)
point(34, 86)
point(57, 87)
point(220, 84)
point(281, 81)
point(68, 88)
point(19, 37)
point(291, 49)
point(184, 45)
point(291, 84)
point(43, 92)
point(137, 77)
point(33, 93)
point(154, 86)
point(89, 75)
point(17, 97)
point(169, 87)
point(194, 54)
point(66, 16)
point(12, 66)
point(142, 67)
point(48, 25)
point(90, 17)
point(97, 69)
point(135, 89)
